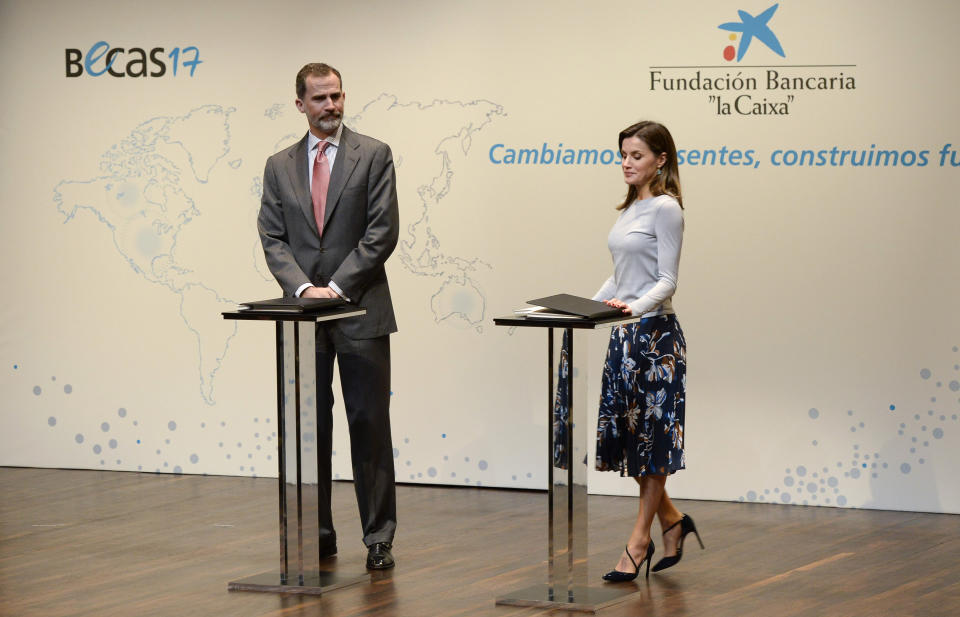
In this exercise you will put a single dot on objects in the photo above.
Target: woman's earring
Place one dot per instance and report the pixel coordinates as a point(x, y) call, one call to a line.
point(659, 171)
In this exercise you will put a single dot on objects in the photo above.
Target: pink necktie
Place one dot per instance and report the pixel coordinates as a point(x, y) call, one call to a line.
point(319, 184)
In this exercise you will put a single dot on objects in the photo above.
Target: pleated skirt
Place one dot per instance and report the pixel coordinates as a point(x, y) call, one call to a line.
point(640, 422)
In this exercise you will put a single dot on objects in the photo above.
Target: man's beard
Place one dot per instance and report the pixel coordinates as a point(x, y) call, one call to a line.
point(329, 124)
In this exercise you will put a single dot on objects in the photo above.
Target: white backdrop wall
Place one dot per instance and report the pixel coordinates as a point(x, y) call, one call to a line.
point(820, 301)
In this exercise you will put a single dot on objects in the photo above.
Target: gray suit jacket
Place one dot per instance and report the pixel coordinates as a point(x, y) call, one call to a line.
point(361, 227)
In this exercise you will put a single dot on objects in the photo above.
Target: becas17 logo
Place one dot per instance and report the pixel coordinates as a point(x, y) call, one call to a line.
point(132, 62)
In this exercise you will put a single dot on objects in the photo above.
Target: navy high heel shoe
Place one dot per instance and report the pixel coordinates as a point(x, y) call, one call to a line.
point(686, 526)
point(616, 576)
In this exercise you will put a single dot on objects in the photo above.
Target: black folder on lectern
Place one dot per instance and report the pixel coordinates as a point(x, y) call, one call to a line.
point(294, 305)
point(575, 305)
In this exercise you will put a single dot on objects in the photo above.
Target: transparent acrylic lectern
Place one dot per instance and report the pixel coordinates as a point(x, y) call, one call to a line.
point(302, 569)
point(566, 585)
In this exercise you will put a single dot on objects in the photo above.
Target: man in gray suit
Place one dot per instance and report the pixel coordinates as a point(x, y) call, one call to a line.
point(328, 222)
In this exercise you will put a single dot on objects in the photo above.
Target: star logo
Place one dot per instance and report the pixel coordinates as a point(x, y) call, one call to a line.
point(751, 27)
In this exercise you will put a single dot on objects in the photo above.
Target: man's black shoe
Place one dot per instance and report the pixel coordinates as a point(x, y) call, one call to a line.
point(379, 556)
point(328, 551)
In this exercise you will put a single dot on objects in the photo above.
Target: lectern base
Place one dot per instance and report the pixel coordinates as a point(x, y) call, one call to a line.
point(314, 583)
point(579, 598)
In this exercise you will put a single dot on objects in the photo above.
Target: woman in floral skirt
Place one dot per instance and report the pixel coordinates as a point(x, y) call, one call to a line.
point(643, 392)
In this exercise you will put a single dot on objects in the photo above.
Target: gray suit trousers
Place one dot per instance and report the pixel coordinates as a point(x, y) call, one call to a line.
point(364, 366)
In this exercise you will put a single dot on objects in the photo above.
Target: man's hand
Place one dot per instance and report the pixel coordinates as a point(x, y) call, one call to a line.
point(319, 292)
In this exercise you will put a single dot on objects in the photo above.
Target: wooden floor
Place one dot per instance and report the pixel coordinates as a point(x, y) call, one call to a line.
point(89, 543)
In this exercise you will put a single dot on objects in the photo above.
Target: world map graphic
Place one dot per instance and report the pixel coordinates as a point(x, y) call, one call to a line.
point(153, 184)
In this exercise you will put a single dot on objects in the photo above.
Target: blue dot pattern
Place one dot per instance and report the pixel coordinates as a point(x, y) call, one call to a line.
point(908, 444)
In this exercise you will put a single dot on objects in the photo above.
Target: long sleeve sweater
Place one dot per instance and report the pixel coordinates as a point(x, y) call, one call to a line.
point(645, 244)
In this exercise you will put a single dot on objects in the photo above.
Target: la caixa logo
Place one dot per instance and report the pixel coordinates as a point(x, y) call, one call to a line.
point(103, 59)
point(773, 88)
point(750, 27)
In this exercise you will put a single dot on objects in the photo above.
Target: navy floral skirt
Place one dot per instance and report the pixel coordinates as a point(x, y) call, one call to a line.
point(642, 400)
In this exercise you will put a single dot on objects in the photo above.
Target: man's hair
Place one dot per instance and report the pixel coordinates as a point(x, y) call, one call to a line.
point(318, 69)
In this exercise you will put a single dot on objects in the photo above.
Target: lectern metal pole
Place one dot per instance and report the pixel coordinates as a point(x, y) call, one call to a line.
point(572, 461)
point(550, 449)
point(282, 462)
point(296, 399)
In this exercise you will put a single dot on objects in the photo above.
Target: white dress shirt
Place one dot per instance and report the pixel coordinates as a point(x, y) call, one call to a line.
point(312, 143)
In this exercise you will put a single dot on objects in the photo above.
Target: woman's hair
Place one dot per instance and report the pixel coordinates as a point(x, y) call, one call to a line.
point(658, 139)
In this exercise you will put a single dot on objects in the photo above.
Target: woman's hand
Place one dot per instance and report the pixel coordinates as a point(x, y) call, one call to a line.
point(619, 304)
